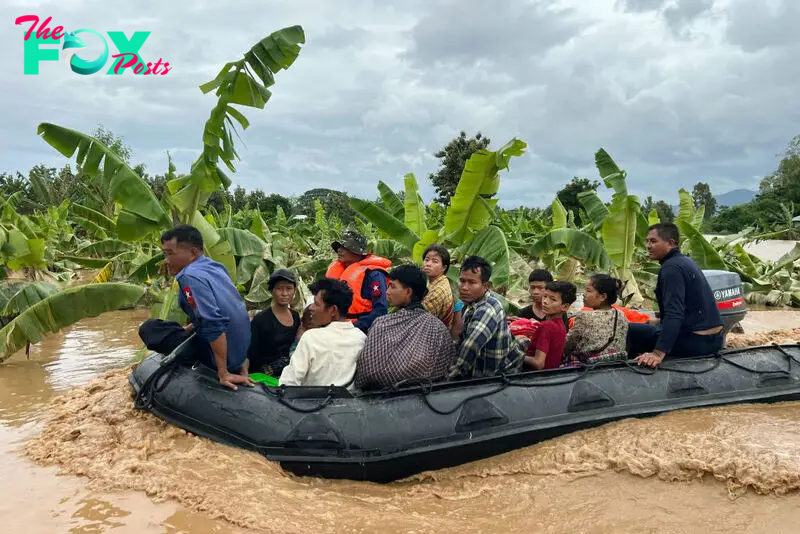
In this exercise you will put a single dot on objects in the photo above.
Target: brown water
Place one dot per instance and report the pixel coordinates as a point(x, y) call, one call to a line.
point(711, 470)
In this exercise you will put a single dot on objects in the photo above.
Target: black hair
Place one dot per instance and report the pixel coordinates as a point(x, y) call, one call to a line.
point(441, 251)
point(334, 293)
point(305, 319)
point(540, 275)
point(667, 232)
point(476, 264)
point(412, 277)
point(184, 234)
point(607, 285)
point(567, 290)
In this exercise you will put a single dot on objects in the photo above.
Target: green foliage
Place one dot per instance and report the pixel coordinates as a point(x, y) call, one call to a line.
point(453, 158)
point(702, 196)
point(569, 196)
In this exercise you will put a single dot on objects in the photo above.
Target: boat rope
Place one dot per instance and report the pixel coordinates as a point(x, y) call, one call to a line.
point(144, 398)
point(427, 387)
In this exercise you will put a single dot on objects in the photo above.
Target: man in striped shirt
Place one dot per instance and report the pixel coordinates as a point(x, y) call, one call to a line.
point(485, 346)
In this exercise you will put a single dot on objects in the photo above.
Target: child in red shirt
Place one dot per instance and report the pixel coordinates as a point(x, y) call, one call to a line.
point(547, 345)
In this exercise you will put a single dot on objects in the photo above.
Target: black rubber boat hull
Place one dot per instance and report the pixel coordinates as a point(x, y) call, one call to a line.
point(383, 437)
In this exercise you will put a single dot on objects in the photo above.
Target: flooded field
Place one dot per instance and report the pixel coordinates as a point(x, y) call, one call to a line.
point(68, 411)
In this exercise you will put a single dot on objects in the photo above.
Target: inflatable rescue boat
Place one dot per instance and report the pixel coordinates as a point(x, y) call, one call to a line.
point(387, 435)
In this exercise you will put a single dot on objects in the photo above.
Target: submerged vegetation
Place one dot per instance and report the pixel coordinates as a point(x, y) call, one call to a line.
point(108, 217)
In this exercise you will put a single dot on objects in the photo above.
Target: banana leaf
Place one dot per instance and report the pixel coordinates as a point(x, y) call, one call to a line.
point(701, 251)
point(63, 309)
point(787, 260)
point(27, 296)
point(686, 210)
point(596, 210)
point(467, 214)
point(559, 214)
point(385, 222)
point(414, 209)
point(243, 242)
point(575, 243)
point(653, 218)
point(105, 274)
point(490, 244)
point(105, 247)
point(611, 174)
point(619, 230)
point(217, 248)
point(97, 218)
point(699, 217)
point(147, 269)
point(393, 203)
point(141, 212)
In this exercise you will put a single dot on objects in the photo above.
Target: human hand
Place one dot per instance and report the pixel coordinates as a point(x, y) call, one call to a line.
point(649, 359)
point(654, 321)
point(230, 380)
point(188, 327)
point(512, 318)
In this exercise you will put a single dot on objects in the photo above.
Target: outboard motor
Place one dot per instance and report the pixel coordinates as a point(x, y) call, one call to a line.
point(729, 294)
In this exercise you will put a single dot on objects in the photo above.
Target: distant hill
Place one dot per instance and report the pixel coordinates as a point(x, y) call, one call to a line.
point(735, 197)
point(730, 199)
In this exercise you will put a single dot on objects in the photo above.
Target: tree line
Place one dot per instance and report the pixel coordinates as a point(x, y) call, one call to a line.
point(773, 209)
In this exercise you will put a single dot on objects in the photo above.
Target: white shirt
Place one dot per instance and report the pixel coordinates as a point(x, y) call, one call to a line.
point(325, 356)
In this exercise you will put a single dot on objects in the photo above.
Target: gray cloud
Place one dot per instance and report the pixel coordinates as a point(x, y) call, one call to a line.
point(756, 26)
point(380, 87)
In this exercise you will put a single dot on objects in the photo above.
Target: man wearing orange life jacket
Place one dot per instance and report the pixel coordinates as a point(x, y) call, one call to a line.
point(365, 274)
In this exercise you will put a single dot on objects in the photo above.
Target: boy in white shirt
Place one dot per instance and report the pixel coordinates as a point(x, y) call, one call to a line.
point(326, 355)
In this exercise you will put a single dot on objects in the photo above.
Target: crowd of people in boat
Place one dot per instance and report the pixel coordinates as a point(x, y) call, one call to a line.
point(374, 326)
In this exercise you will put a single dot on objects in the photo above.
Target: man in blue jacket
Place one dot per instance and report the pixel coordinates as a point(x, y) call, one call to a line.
point(216, 311)
point(690, 323)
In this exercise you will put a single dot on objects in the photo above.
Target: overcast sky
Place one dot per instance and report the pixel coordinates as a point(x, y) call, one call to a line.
point(677, 91)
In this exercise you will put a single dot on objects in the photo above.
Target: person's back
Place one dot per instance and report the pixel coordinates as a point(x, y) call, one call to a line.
point(325, 356)
point(408, 344)
point(485, 346)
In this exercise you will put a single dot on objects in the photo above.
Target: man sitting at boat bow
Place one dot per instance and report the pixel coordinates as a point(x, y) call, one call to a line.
point(690, 323)
point(410, 343)
point(216, 312)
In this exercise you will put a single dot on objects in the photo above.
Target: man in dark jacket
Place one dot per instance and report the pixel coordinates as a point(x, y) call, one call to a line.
point(690, 323)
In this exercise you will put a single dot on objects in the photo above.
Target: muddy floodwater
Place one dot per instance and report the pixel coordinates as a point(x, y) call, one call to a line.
point(76, 457)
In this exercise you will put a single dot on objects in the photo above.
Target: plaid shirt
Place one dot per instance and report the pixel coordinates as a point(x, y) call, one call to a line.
point(407, 344)
point(439, 300)
point(486, 346)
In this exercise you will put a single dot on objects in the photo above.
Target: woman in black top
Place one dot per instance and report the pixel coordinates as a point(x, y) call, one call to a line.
point(272, 331)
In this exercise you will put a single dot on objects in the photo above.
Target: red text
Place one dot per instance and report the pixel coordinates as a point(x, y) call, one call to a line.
point(43, 32)
point(134, 59)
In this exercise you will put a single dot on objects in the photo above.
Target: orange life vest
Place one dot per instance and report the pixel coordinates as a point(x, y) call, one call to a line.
point(632, 315)
point(354, 275)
